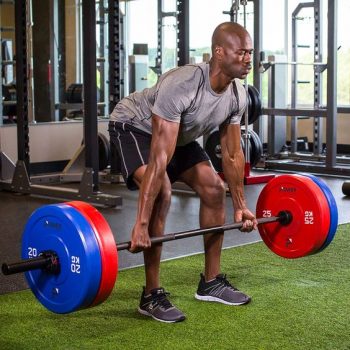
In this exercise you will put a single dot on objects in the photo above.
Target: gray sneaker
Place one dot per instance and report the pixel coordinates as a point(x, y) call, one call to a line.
point(157, 306)
point(221, 291)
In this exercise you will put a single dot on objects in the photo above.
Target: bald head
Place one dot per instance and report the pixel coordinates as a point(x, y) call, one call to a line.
point(228, 32)
point(232, 50)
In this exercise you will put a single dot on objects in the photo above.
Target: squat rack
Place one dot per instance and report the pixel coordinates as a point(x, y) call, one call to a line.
point(89, 186)
point(181, 15)
point(328, 164)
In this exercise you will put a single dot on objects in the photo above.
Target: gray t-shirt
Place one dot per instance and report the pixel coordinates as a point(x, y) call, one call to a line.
point(183, 95)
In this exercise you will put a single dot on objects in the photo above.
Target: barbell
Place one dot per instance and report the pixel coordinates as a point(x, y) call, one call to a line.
point(70, 256)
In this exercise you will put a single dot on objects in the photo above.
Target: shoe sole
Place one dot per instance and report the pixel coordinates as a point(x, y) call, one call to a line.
point(218, 300)
point(146, 313)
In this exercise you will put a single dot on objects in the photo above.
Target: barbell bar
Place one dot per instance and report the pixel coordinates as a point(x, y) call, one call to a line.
point(70, 256)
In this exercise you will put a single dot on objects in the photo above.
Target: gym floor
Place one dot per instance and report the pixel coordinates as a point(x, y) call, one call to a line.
point(15, 210)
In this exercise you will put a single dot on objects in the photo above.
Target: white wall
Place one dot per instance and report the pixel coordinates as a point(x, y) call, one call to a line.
point(47, 141)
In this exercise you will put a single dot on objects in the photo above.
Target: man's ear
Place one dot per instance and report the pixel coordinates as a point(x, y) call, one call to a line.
point(218, 51)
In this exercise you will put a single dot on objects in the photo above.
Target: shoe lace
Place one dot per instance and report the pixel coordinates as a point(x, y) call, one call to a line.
point(225, 282)
point(161, 299)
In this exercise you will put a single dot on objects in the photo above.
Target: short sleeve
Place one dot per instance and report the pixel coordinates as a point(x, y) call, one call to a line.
point(175, 93)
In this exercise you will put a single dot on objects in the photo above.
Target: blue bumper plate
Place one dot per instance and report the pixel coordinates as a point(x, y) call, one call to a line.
point(62, 229)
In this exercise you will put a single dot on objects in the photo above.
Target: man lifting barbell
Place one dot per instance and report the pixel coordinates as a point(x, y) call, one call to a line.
point(155, 132)
point(69, 254)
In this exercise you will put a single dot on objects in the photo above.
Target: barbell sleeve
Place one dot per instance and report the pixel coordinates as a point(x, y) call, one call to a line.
point(46, 260)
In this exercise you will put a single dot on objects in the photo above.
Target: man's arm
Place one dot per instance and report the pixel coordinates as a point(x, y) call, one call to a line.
point(233, 166)
point(164, 137)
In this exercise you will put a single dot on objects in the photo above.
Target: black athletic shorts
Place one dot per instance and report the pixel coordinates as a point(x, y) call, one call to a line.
point(133, 146)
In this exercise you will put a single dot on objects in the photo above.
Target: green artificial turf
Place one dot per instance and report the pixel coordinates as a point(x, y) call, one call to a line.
point(297, 304)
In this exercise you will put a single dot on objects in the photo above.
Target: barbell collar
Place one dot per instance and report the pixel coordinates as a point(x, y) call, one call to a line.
point(285, 217)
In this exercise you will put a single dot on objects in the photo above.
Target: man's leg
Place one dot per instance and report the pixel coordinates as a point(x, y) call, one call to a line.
point(156, 228)
point(154, 300)
point(133, 148)
point(211, 190)
point(213, 286)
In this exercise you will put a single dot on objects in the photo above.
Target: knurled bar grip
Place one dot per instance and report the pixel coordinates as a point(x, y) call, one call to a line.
point(282, 216)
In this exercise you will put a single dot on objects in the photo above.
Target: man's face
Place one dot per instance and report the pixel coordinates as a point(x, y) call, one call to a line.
point(236, 58)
